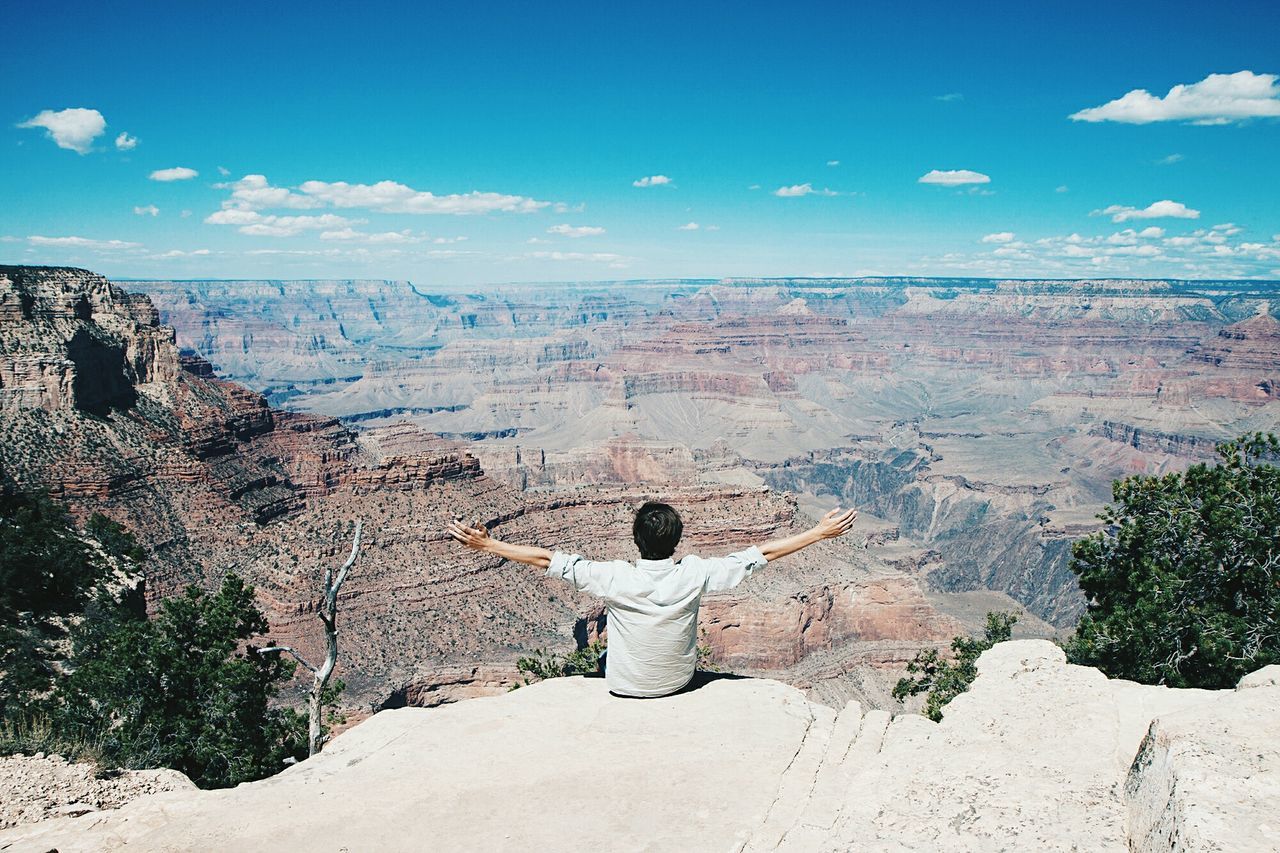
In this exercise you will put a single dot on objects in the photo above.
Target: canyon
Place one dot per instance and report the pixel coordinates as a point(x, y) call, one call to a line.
point(977, 424)
point(102, 409)
point(244, 426)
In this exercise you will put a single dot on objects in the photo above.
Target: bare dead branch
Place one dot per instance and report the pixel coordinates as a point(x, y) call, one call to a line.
point(299, 658)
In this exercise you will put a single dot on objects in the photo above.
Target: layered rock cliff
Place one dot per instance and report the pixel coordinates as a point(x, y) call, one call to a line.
point(1023, 399)
point(1038, 755)
point(103, 411)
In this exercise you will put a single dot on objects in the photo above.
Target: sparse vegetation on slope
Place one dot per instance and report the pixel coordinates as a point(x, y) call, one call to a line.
point(184, 690)
point(47, 575)
point(1184, 582)
point(944, 680)
point(85, 673)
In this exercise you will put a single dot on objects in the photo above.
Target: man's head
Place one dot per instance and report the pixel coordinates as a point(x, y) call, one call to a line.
point(657, 530)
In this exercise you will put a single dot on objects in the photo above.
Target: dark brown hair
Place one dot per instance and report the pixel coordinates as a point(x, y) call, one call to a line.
point(657, 530)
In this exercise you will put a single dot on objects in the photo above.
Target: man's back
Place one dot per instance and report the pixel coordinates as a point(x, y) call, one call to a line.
point(653, 604)
point(653, 612)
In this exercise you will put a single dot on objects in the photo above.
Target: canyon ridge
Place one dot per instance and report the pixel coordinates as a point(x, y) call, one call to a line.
point(976, 424)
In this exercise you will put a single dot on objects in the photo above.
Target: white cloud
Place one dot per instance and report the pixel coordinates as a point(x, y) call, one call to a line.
point(754, 187)
point(797, 190)
point(651, 181)
point(576, 231)
point(953, 177)
point(999, 237)
point(537, 241)
point(73, 129)
point(950, 97)
point(224, 171)
point(602, 257)
point(1155, 210)
point(81, 243)
point(178, 253)
point(392, 197)
point(253, 192)
point(1063, 188)
point(177, 173)
point(833, 162)
point(125, 142)
point(383, 237)
point(1217, 99)
point(1169, 160)
point(1151, 232)
point(257, 225)
point(689, 226)
point(711, 227)
point(148, 210)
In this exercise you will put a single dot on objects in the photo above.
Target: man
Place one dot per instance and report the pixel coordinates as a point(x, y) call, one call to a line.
point(653, 603)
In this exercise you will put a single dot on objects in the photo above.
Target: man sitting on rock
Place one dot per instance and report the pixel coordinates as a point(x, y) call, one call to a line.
point(653, 603)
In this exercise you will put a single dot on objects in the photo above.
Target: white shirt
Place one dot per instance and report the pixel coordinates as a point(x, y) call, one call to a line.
point(653, 612)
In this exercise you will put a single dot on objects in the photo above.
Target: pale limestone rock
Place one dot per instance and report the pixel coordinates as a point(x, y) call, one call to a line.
point(1208, 778)
point(1268, 676)
point(559, 765)
point(1038, 755)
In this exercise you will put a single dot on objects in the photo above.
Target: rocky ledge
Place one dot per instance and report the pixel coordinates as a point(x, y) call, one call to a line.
point(1039, 755)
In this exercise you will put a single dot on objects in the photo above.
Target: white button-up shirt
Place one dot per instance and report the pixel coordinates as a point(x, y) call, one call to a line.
point(653, 612)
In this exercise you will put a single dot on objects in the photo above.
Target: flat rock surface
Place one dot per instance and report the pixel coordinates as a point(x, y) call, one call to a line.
point(552, 766)
point(1038, 755)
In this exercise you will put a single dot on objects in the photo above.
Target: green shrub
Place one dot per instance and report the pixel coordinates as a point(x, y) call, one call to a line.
point(945, 679)
point(1184, 582)
point(541, 664)
point(47, 576)
point(184, 690)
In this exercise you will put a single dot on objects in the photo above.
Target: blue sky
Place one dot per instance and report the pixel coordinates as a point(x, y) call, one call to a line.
point(469, 143)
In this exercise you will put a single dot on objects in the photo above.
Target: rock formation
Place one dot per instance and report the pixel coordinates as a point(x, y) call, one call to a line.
point(1038, 755)
point(985, 420)
point(213, 479)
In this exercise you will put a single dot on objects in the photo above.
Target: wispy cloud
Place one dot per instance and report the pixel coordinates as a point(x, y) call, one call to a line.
point(999, 237)
point(382, 237)
point(1217, 99)
point(613, 260)
point(177, 173)
point(798, 190)
point(689, 226)
point(953, 177)
point(125, 142)
point(1155, 210)
point(81, 243)
point(651, 181)
point(146, 210)
point(1169, 160)
point(255, 192)
point(257, 225)
point(833, 162)
point(73, 129)
point(576, 231)
point(950, 97)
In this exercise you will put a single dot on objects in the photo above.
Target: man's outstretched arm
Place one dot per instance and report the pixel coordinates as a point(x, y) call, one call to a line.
point(477, 538)
point(833, 524)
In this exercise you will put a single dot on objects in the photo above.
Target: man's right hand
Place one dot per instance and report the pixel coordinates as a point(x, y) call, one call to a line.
point(836, 523)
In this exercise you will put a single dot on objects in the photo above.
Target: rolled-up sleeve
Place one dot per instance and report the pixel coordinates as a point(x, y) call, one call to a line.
point(586, 575)
point(727, 572)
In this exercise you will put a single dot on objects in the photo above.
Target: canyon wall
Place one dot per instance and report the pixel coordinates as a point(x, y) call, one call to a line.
point(212, 478)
